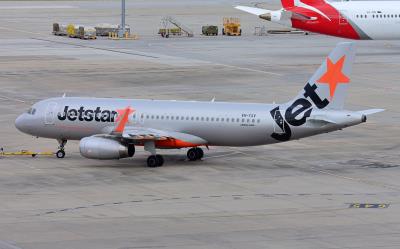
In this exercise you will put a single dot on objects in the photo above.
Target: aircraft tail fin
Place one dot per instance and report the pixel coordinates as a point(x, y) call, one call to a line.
point(287, 4)
point(327, 88)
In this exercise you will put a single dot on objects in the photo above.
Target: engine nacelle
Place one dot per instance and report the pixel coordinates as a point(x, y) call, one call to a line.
point(103, 148)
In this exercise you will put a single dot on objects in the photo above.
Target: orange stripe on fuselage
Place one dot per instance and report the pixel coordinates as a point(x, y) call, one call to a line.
point(172, 143)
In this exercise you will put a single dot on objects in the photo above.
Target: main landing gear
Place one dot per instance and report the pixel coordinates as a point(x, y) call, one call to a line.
point(195, 154)
point(154, 160)
point(61, 153)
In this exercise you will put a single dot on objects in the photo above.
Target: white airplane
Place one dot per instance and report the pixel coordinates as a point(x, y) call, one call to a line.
point(360, 20)
point(111, 128)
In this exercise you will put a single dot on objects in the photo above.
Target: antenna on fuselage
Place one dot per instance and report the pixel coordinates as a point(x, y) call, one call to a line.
point(64, 95)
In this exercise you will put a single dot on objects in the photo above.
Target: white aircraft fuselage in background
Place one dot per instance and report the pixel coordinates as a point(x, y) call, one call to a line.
point(111, 128)
point(360, 20)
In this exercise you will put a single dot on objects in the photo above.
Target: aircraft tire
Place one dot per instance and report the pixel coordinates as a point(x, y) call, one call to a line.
point(199, 152)
point(192, 155)
point(60, 154)
point(152, 161)
point(160, 160)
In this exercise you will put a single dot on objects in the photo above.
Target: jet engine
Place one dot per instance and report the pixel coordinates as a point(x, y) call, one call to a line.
point(104, 148)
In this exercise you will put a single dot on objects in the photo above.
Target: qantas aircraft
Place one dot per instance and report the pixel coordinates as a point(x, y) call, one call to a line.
point(360, 20)
point(112, 128)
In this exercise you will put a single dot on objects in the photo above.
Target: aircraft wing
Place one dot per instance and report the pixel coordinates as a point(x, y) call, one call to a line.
point(287, 13)
point(141, 135)
point(162, 138)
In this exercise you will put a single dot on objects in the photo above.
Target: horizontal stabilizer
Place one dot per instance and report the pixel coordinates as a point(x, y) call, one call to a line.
point(302, 17)
point(371, 111)
point(321, 120)
point(252, 10)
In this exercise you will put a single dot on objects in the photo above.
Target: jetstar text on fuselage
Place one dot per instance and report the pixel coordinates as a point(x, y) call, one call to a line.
point(86, 114)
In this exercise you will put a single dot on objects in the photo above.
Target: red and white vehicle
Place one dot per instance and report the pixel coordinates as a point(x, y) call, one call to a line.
point(360, 20)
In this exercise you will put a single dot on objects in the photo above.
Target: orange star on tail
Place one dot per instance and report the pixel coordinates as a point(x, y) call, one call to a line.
point(334, 75)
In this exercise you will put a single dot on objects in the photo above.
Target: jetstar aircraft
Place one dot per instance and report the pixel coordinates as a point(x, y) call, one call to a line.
point(112, 128)
point(360, 20)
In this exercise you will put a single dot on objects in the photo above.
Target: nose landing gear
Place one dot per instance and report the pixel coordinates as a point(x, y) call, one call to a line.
point(195, 154)
point(61, 153)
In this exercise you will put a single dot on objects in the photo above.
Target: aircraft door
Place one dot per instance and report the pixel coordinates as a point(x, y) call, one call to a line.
point(51, 111)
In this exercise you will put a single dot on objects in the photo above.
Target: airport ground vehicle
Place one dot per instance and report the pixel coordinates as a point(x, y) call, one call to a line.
point(231, 26)
point(209, 30)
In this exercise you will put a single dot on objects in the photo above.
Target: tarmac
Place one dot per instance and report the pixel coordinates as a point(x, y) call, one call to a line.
point(311, 193)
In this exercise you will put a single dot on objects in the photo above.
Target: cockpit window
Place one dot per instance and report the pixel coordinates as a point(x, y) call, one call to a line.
point(31, 111)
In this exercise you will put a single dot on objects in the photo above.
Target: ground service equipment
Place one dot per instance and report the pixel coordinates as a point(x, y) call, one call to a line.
point(166, 23)
point(231, 26)
point(209, 30)
point(87, 32)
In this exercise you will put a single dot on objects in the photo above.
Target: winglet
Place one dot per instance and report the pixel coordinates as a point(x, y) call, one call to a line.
point(123, 118)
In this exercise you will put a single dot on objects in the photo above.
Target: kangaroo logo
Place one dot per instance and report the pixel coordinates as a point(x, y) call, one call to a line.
point(299, 3)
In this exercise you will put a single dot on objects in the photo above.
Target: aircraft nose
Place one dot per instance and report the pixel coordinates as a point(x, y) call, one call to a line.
point(20, 123)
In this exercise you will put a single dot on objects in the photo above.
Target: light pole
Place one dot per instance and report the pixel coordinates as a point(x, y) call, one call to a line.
point(121, 30)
